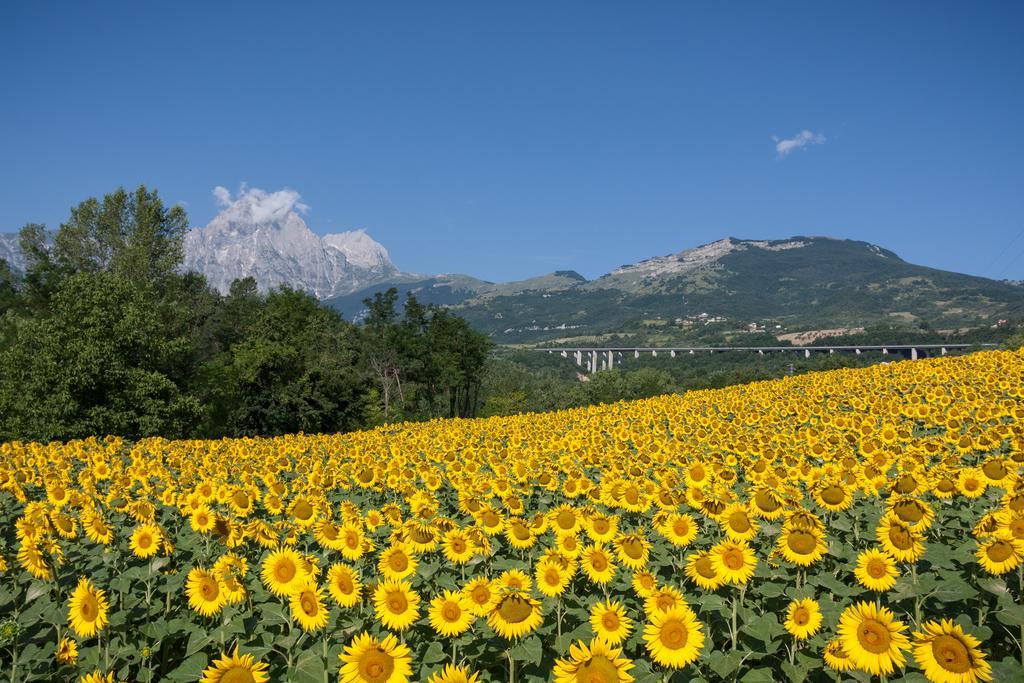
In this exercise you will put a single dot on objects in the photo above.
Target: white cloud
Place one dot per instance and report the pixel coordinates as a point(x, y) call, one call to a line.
point(258, 206)
point(223, 195)
point(801, 139)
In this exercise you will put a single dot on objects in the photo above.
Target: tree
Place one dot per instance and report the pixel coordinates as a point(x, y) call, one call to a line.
point(295, 370)
point(96, 364)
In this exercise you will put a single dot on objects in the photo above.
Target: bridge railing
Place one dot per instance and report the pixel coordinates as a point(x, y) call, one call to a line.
point(592, 356)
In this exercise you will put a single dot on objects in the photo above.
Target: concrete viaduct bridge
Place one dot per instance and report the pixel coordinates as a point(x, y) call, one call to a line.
point(603, 358)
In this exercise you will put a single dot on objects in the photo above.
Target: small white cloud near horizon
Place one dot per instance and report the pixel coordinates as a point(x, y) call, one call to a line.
point(798, 141)
point(262, 206)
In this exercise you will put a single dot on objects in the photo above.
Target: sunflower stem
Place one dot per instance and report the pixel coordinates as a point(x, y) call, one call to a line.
point(732, 623)
point(558, 614)
point(327, 665)
point(511, 667)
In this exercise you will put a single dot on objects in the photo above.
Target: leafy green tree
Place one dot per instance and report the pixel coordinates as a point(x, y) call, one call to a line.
point(96, 364)
point(294, 371)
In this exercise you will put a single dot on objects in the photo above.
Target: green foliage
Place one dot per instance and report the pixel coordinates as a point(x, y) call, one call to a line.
point(104, 335)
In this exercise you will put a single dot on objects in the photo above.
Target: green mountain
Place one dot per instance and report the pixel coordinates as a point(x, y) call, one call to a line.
point(725, 289)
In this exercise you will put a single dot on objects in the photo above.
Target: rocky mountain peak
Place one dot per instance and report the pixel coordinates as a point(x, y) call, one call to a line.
point(263, 235)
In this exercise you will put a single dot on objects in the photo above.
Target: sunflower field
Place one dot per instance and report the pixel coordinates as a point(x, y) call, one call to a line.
point(847, 525)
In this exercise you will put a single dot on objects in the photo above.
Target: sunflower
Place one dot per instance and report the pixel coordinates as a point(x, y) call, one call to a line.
point(202, 519)
point(87, 609)
point(871, 636)
point(514, 579)
point(482, 596)
point(145, 540)
point(205, 595)
point(609, 621)
point(679, 529)
point(644, 583)
point(971, 483)
point(369, 660)
point(836, 657)
point(766, 504)
point(96, 677)
point(397, 563)
point(948, 655)
point(801, 546)
point(899, 540)
point(67, 651)
point(565, 520)
point(282, 572)
point(235, 668)
point(1000, 555)
point(307, 604)
point(737, 523)
point(514, 615)
point(702, 571)
point(634, 550)
point(96, 528)
point(552, 579)
point(598, 564)
point(454, 674)
point(674, 638)
point(230, 569)
point(343, 585)
point(915, 513)
point(352, 541)
point(663, 599)
point(598, 662)
point(31, 557)
point(457, 547)
point(834, 496)
point(602, 528)
point(449, 614)
point(876, 570)
point(733, 562)
point(519, 534)
point(397, 604)
point(803, 618)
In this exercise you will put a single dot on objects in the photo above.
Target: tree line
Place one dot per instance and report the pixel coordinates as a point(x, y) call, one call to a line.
point(103, 333)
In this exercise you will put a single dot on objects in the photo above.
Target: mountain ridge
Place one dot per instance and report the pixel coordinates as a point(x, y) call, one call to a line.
point(798, 283)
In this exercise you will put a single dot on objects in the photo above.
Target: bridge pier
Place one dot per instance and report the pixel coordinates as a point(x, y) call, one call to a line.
point(913, 354)
point(593, 361)
point(611, 359)
point(579, 357)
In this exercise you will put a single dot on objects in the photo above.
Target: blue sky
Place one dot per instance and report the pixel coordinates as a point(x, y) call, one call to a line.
point(506, 140)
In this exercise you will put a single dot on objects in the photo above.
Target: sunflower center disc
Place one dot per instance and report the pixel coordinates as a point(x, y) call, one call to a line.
point(739, 522)
point(733, 559)
point(397, 603)
point(598, 669)
point(376, 666)
point(833, 495)
point(999, 551)
point(237, 674)
point(515, 610)
point(673, 635)
point(874, 637)
point(951, 654)
point(633, 548)
point(705, 568)
point(802, 543)
point(308, 604)
point(285, 572)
